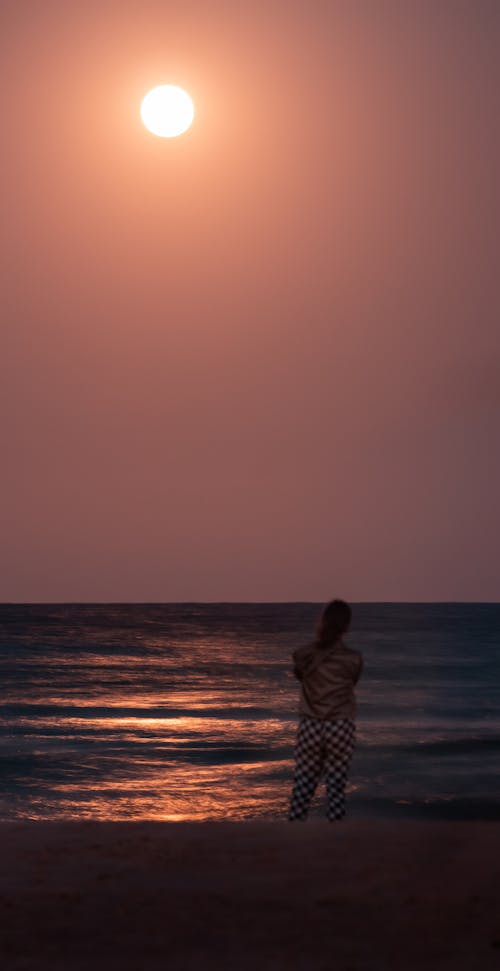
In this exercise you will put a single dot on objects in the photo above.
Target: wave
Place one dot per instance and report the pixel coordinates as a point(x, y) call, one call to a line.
point(452, 746)
point(451, 809)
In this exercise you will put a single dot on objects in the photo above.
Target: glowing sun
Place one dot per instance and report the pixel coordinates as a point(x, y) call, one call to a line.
point(167, 111)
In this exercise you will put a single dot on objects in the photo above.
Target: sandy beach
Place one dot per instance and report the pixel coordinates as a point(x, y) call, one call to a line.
point(356, 895)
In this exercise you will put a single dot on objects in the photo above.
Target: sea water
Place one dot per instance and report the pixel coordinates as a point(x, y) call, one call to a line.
point(188, 711)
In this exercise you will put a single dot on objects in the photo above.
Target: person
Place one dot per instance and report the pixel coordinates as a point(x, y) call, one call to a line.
point(328, 671)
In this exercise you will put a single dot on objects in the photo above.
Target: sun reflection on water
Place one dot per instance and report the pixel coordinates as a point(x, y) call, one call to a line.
point(174, 793)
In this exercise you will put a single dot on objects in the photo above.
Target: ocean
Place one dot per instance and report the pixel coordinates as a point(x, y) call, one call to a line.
point(188, 711)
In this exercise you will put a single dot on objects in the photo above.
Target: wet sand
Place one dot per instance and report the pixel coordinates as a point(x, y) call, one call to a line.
point(271, 895)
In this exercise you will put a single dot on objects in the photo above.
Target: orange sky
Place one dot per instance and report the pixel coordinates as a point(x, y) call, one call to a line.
point(260, 361)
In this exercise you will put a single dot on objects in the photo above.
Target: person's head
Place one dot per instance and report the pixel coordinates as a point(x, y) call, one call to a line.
point(334, 622)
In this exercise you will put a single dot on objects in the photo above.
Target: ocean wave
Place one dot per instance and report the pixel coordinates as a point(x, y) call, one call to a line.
point(451, 809)
point(453, 746)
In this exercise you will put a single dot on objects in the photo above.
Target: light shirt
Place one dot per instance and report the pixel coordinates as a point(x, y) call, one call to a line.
point(328, 676)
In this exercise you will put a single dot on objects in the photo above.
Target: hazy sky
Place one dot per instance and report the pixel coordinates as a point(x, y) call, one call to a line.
point(259, 361)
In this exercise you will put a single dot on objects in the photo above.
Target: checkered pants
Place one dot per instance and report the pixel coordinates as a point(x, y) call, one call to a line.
point(322, 746)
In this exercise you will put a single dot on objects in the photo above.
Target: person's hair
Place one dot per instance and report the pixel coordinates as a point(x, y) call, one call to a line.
point(334, 622)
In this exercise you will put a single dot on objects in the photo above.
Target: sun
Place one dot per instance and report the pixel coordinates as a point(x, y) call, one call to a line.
point(167, 111)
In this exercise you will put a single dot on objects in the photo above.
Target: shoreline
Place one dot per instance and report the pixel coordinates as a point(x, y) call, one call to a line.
point(140, 896)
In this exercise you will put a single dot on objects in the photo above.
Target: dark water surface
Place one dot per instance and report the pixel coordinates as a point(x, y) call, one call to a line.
point(188, 711)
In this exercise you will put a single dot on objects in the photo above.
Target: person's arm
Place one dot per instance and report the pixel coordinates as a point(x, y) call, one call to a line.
point(300, 659)
point(360, 669)
point(299, 674)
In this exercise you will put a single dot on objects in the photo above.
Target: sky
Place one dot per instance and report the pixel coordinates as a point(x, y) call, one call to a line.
point(260, 361)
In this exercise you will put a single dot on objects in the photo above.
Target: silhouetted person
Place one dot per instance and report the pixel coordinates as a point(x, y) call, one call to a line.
point(328, 672)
